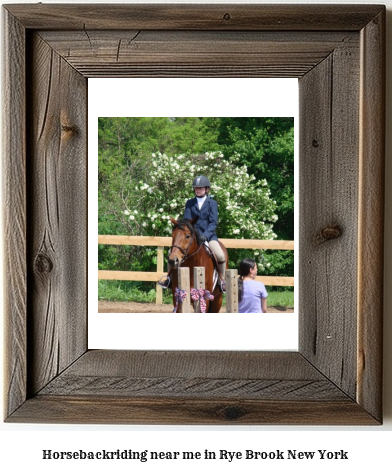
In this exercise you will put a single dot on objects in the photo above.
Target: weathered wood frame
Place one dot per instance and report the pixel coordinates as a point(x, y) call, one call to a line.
point(337, 52)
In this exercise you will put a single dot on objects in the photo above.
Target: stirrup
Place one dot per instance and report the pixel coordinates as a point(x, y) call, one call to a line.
point(222, 286)
point(166, 283)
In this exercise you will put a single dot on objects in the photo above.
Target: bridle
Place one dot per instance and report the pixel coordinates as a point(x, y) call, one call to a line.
point(186, 250)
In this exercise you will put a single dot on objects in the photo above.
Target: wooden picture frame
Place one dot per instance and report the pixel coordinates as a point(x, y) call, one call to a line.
point(338, 54)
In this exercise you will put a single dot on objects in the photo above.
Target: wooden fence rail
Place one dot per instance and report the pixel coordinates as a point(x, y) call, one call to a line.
point(162, 242)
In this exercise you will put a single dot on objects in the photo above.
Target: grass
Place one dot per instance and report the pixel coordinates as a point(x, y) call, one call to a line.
point(281, 298)
point(110, 290)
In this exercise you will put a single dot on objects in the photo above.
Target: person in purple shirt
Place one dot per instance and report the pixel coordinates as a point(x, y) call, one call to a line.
point(252, 295)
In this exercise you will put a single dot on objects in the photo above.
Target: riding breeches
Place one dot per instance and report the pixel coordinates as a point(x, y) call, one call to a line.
point(217, 249)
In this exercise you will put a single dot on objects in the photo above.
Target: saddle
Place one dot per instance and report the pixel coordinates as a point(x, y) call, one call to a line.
point(211, 254)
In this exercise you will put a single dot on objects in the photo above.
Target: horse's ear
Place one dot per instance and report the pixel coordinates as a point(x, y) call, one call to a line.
point(174, 222)
point(194, 220)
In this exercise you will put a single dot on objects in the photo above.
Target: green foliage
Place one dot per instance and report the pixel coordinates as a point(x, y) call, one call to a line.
point(266, 147)
point(285, 299)
point(245, 207)
point(113, 290)
point(147, 165)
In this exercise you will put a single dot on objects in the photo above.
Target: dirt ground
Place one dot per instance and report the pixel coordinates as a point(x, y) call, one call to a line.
point(131, 307)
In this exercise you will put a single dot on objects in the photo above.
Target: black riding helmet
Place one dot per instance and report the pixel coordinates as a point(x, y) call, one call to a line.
point(201, 182)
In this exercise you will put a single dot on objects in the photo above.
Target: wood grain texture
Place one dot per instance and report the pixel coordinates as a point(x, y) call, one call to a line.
point(328, 237)
point(14, 213)
point(194, 53)
point(155, 411)
point(210, 364)
point(195, 17)
point(232, 295)
point(202, 387)
point(57, 210)
point(193, 387)
point(371, 216)
point(335, 378)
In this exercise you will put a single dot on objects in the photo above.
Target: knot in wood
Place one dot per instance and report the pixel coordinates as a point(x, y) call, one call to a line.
point(328, 233)
point(69, 128)
point(43, 264)
point(315, 143)
point(233, 412)
point(227, 16)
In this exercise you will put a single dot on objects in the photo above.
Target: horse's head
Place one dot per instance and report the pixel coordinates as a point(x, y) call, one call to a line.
point(184, 240)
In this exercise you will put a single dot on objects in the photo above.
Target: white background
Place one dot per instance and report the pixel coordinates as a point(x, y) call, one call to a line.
point(368, 447)
point(178, 98)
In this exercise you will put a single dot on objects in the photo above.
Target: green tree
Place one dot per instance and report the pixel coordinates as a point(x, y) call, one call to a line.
point(125, 148)
point(128, 171)
point(246, 209)
point(266, 146)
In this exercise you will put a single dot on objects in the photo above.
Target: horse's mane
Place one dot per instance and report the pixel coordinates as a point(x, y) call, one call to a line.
point(182, 223)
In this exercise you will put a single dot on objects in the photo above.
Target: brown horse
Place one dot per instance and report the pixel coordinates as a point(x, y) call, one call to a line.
point(188, 250)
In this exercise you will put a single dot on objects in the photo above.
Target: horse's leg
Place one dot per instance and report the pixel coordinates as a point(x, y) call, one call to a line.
point(174, 281)
point(216, 303)
point(174, 304)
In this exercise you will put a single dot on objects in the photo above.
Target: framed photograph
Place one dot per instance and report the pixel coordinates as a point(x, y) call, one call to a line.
point(337, 52)
point(137, 210)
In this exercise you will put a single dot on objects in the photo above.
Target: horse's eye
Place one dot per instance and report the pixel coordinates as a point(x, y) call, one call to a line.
point(188, 236)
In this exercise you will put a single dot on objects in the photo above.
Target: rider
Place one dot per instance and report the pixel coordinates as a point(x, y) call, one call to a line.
point(205, 209)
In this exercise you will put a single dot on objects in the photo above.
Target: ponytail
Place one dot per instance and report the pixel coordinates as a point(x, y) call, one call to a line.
point(245, 266)
point(240, 288)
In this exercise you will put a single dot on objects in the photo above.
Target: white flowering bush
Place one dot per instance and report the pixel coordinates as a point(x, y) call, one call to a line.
point(246, 207)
